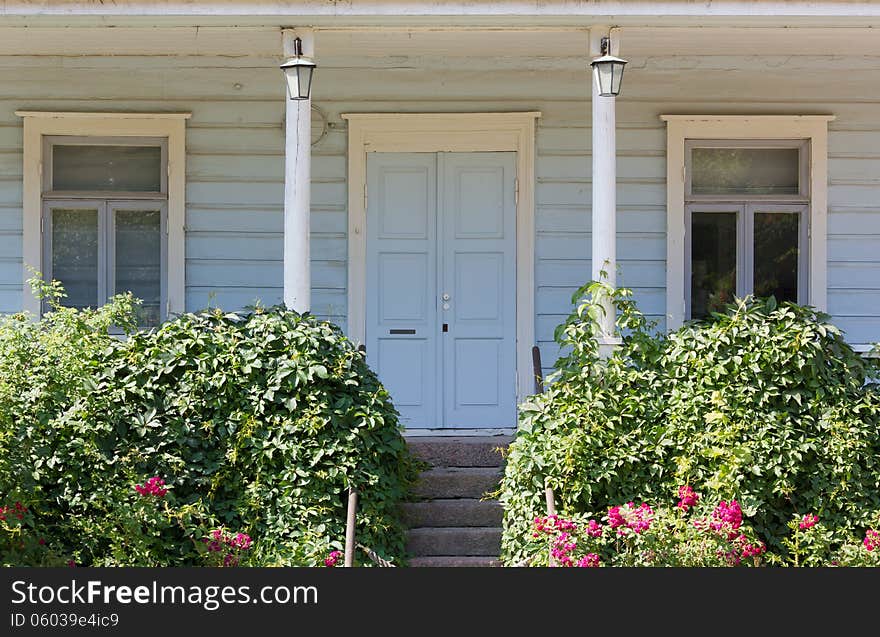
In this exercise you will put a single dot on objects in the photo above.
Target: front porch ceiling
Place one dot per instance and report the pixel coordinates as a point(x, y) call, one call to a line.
point(397, 13)
point(434, 47)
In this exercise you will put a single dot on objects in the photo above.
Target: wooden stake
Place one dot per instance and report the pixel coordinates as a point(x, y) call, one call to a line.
point(350, 521)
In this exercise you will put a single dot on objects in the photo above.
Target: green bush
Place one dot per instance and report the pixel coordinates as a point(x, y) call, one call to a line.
point(763, 403)
point(257, 423)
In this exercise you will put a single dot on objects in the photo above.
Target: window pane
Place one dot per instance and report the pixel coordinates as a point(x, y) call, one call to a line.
point(115, 168)
point(713, 261)
point(776, 255)
point(745, 171)
point(139, 259)
point(75, 255)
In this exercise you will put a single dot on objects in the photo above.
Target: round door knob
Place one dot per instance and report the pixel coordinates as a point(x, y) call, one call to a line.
point(446, 297)
point(446, 306)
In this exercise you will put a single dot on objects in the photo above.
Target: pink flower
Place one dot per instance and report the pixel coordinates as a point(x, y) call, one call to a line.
point(687, 497)
point(594, 529)
point(71, 563)
point(754, 550)
point(332, 559)
point(41, 542)
point(241, 541)
point(153, 486)
point(552, 524)
point(726, 517)
point(872, 539)
point(615, 518)
point(808, 522)
point(590, 560)
point(630, 517)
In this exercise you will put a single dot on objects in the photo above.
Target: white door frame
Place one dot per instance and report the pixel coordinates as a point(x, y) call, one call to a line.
point(456, 133)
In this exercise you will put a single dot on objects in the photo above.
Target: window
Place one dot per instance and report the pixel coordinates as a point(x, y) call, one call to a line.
point(746, 222)
point(104, 206)
point(104, 220)
point(753, 166)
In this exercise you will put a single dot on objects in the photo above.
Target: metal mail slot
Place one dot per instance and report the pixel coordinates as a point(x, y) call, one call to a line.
point(401, 331)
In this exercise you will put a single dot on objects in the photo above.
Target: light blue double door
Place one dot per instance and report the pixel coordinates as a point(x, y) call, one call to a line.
point(441, 286)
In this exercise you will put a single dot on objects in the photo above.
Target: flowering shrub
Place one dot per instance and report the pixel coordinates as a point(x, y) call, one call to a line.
point(696, 535)
point(763, 403)
point(630, 535)
point(132, 451)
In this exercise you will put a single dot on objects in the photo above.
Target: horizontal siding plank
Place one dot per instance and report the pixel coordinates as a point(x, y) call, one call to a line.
point(630, 247)
point(256, 246)
point(329, 275)
point(219, 167)
point(577, 272)
point(635, 194)
point(10, 244)
point(853, 302)
point(859, 329)
point(847, 248)
point(863, 222)
point(579, 219)
point(550, 141)
point(11, 273)
point(580, 167)
point(557, 300)
point(10, 219)
point(10, 300)
point(865, 275)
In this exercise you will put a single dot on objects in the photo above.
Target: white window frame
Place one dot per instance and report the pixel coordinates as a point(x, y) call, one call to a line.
point(745, 233)
point(812, 129)
point(171, 127)
point(106, 208)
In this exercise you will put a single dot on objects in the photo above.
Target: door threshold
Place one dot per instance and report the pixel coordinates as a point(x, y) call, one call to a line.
point(451, 432)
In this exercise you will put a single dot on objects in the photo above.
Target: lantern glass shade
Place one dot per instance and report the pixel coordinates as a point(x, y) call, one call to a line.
point(298, 71)
point(607, 73)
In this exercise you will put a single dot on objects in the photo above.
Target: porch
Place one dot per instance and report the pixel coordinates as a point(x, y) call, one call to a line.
point(499, 86)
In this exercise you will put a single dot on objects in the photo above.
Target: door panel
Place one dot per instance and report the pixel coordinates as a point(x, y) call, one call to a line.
point(478, 266)
point(443, 225)
point(402, 332)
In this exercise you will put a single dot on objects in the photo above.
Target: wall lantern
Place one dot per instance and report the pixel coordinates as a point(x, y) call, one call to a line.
point(298, 71)
point(608, 71)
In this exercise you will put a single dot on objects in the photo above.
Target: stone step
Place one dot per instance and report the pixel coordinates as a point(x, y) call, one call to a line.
point(452, 512)
point(459, 451)
point(457, 482)
point(454, 541)
point(445, 561)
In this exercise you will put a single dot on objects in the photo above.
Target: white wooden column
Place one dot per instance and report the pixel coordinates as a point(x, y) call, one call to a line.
point(604, 210)
point(297, 177)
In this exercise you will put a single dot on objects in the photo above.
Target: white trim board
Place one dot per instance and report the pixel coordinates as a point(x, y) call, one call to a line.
point(683, 127)
point(446, 132)
point(167, 125)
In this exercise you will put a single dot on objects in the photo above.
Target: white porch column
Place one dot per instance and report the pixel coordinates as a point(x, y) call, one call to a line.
point(297, 177)
point(604, 222)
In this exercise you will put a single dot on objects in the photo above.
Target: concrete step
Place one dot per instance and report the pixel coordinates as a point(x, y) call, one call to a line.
point(454, 541)
point(452, 512)
point(445, 561)
point(457, 482)
point(460, 451)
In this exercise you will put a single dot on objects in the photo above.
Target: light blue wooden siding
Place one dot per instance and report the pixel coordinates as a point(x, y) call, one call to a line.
point(234, 171)
point(10, 215)
point(854, 225)
point(235, 161)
